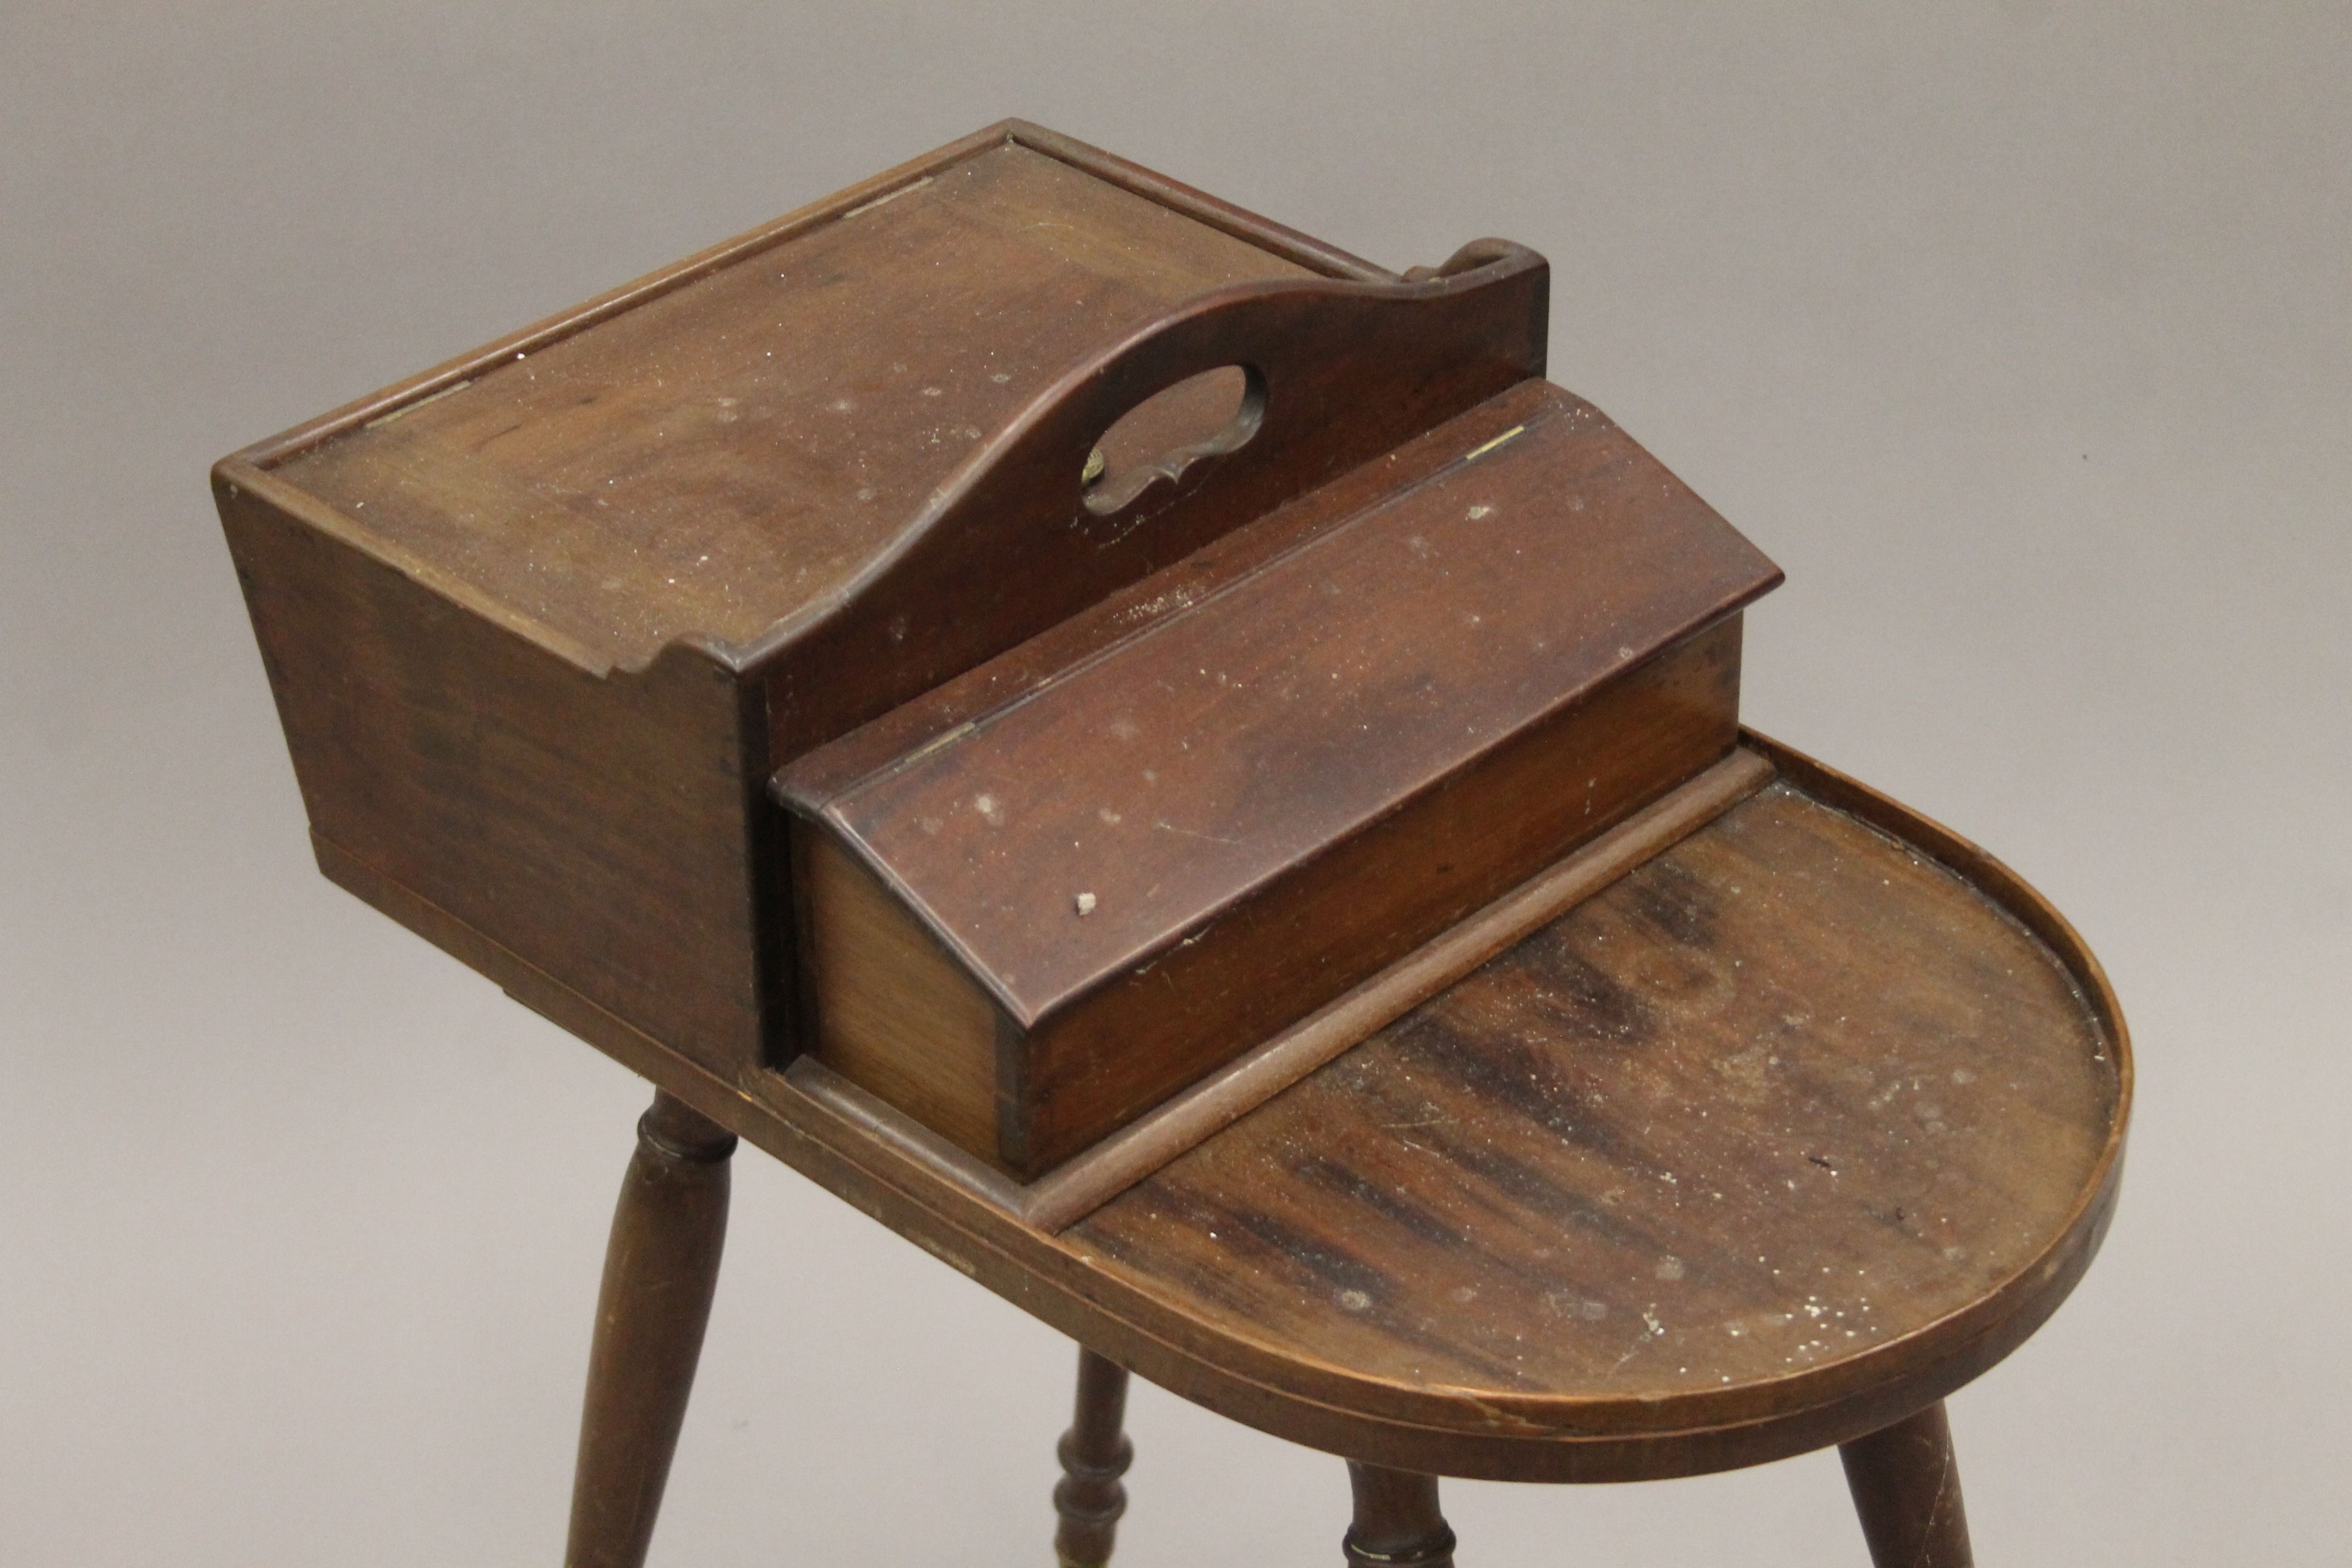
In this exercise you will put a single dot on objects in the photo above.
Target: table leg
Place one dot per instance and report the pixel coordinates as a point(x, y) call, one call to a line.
point(1906, 1489)
point(1095, 1453)
point(1397, 1523)
point(660, 1267)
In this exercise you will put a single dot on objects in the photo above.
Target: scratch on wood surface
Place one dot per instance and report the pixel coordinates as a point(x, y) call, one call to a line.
point(407, 409)
point(1513, 434)
point(885, 196)
point(1188, 833)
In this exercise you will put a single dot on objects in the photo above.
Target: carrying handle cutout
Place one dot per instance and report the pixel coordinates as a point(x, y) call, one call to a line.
point(1204, 416)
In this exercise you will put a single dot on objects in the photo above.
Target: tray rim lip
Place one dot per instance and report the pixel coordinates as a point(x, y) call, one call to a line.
point(824, 812)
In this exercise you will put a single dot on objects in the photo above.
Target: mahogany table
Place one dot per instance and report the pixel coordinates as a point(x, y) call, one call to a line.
point(930, 682)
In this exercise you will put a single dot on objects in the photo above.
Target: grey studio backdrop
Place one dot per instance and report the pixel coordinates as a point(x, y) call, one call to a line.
point(2020, 334)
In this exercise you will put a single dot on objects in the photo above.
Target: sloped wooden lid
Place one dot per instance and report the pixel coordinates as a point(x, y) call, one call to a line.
point(1107, 814)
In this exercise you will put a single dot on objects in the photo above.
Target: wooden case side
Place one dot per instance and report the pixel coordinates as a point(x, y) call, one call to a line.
point(884, 1006)
point(1104, 1059)
point(598, 828)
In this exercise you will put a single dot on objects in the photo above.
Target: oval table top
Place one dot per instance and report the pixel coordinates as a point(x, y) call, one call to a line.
point(1775, 1139)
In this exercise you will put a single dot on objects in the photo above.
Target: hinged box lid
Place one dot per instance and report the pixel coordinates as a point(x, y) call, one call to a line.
point(1106, 812)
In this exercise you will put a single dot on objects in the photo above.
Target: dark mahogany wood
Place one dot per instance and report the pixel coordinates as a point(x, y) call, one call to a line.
point(1095, 1452)
point(660, 1269)
point(1397, 1523)
point(680, 464)
point(1907, 1488)
point(1351, 371)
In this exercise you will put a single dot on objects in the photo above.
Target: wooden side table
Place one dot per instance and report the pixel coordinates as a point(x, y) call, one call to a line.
point(1169, 766)
point(1767, 1144)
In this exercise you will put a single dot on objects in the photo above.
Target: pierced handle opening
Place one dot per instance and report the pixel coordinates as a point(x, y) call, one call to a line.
point(1202, 416)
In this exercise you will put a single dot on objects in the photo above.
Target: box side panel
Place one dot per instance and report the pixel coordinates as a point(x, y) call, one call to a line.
point(886, 1007)
point(598, 828)
point(1369, 899)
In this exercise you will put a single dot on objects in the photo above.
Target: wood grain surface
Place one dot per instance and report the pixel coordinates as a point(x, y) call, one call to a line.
point(1218, 746)
point(600, 828)
point(1782, 1098)
point(1076, 1188)
point(919, 1036)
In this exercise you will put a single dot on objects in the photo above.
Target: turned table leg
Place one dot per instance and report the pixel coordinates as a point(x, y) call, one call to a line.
point(1397, 1523)
point(1906, 1489)
point(1095, 1453)
point(659, 1270)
